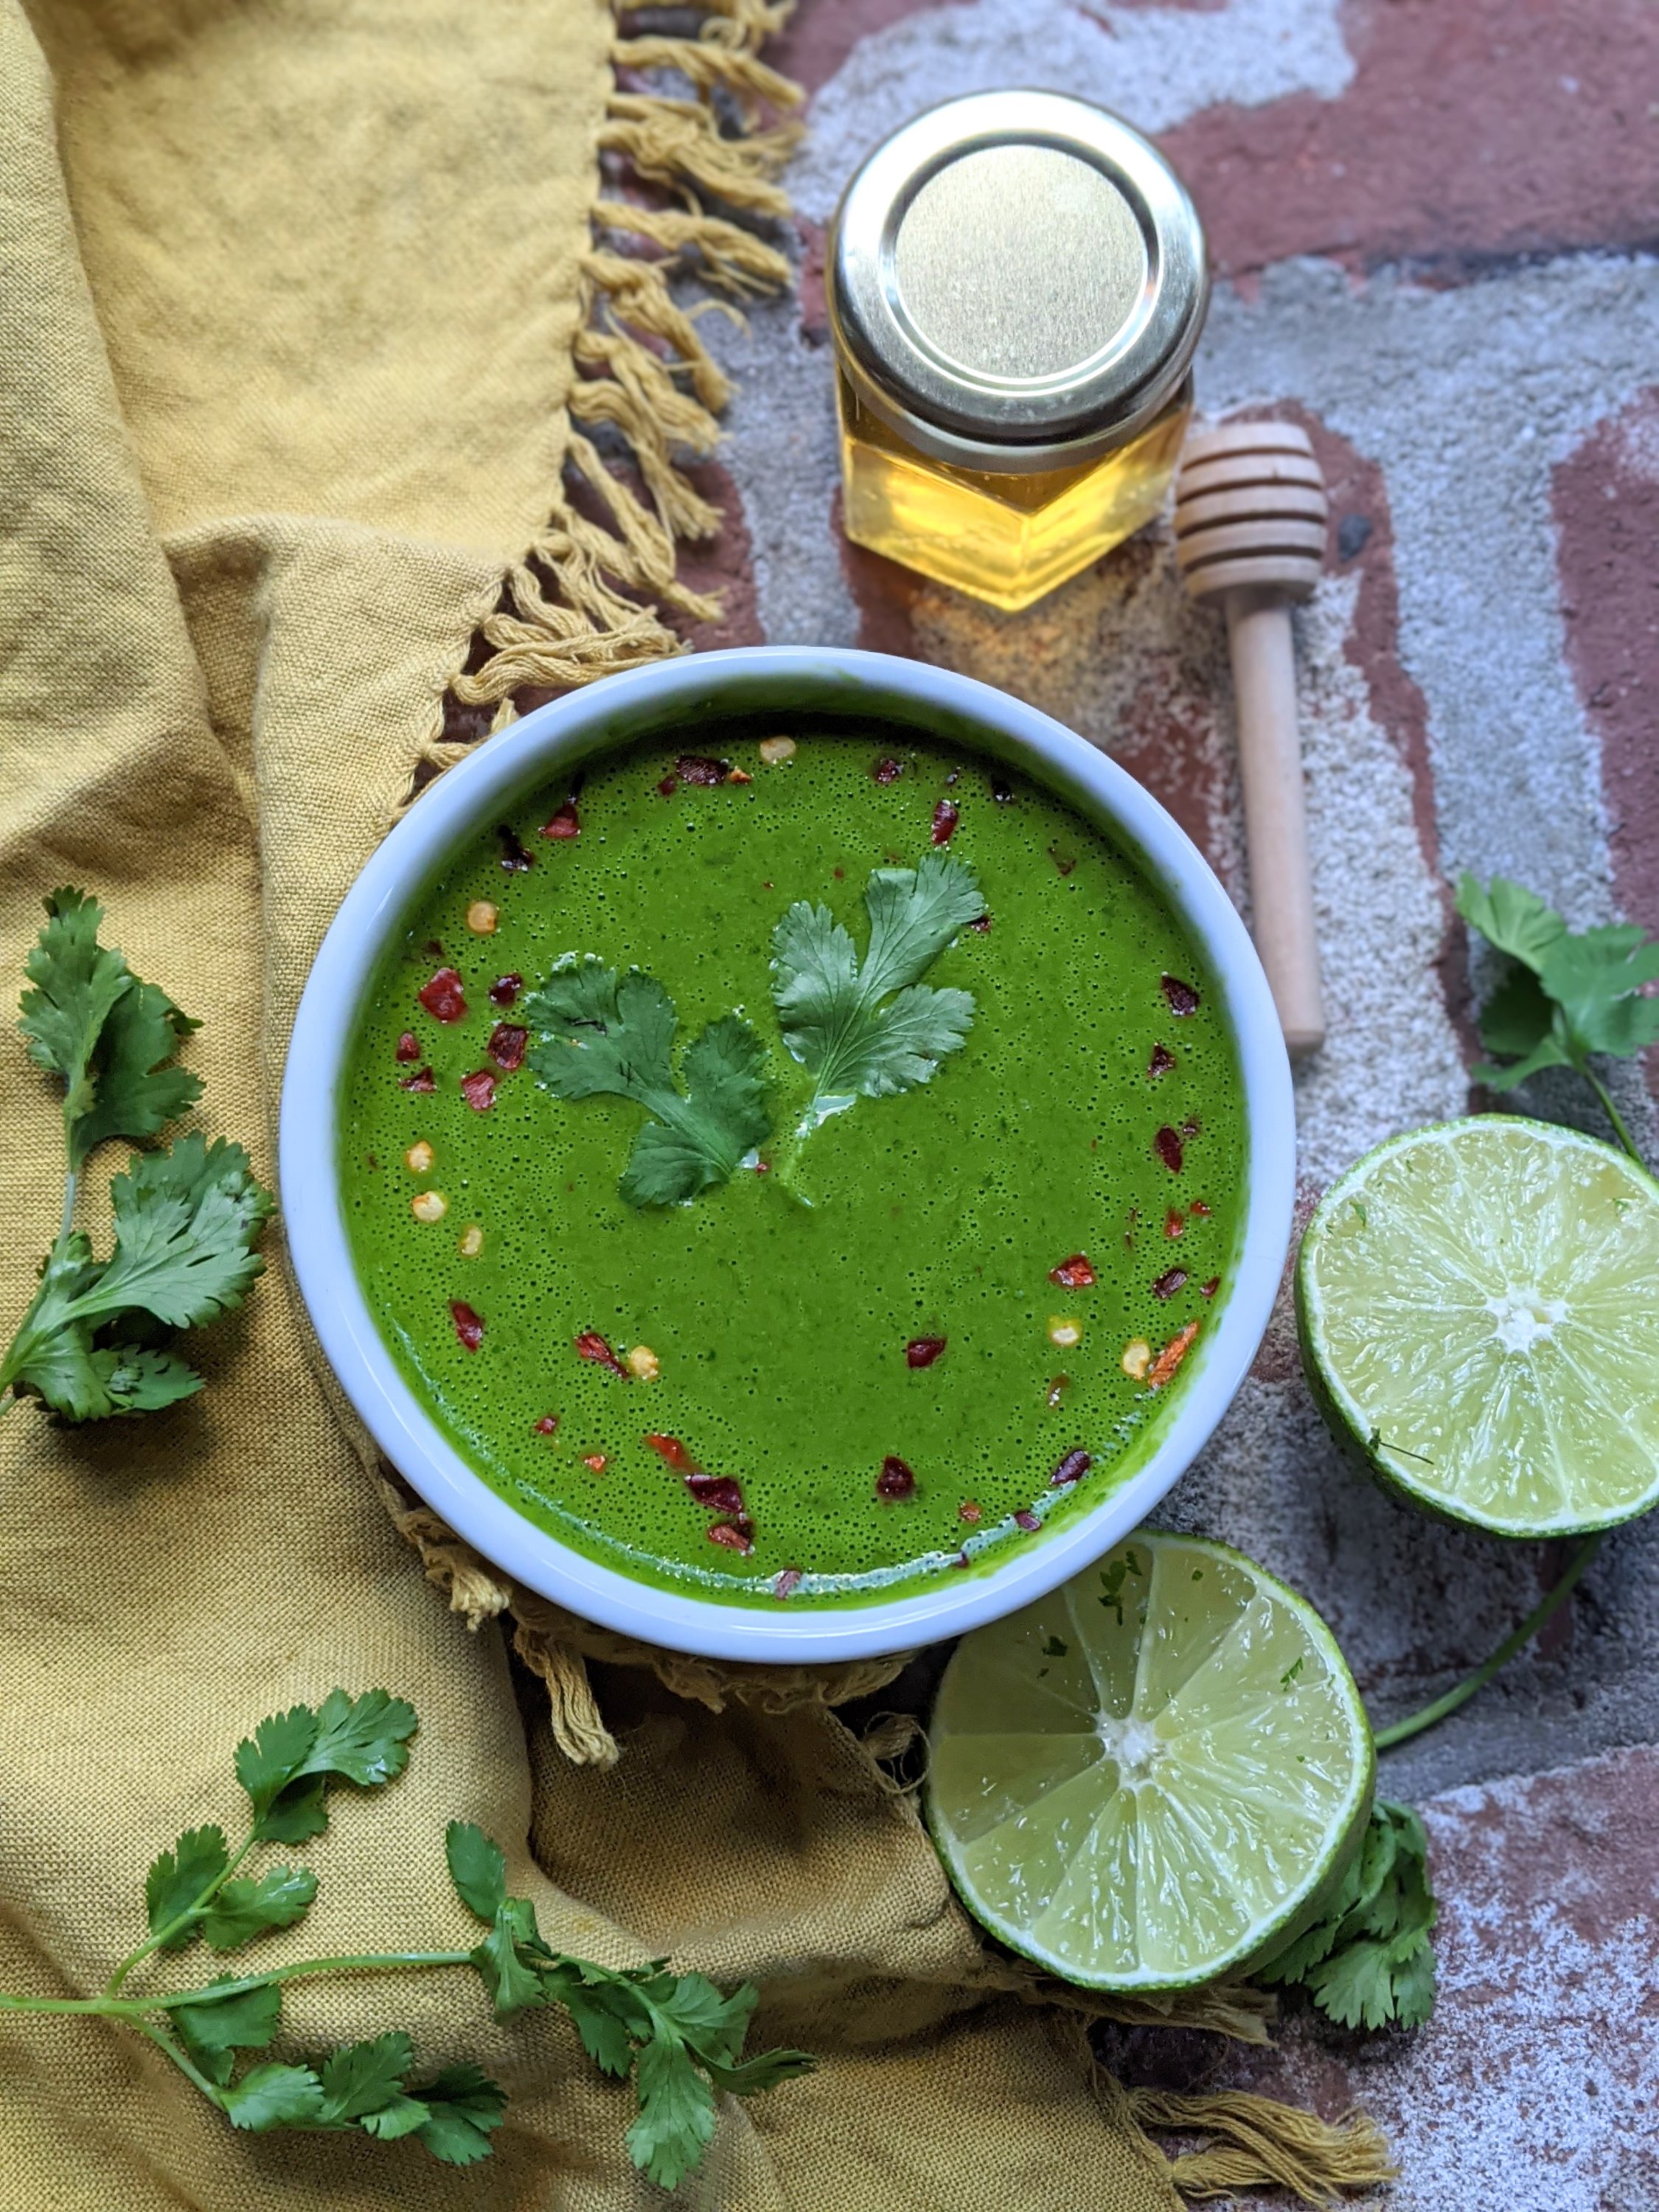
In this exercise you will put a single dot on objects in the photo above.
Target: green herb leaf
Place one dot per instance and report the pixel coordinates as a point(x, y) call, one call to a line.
point(178, 1877)
point(245, 2020)
point(138, 1092)
point(1511, 919)
point(609, 2016)
point(602, 1034)
point(831, 1006)
point(477, 1867)
point(292, 1757)
point(463, 2106)
point(244, 1909)
point(364, 2078)
point(400, 2116)
point(677, 2111)
point(1367, 1960)
point(138, 1378)
point(269, 1761)
point(274, 2097)
point(185, 1222)
point(512, 1984)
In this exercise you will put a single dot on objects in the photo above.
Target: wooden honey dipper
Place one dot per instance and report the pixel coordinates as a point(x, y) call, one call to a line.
point(1249, 520)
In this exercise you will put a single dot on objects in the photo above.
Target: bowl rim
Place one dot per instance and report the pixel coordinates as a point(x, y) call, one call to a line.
point(618, 710)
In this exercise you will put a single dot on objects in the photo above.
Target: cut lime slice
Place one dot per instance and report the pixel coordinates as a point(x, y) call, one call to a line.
point(1479, 1305)
point(1147, 1778)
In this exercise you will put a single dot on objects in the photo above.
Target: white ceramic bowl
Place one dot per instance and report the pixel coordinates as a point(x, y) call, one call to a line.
point(680, 698)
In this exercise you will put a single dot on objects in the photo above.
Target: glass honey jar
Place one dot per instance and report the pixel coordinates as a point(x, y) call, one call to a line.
point(1017, 284)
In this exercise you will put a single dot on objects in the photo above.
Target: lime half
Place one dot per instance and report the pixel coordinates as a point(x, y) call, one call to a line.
point(1144, 1780)
point(1479, 1305)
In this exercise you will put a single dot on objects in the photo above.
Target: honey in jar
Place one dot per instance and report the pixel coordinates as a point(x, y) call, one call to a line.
point(1017, 284)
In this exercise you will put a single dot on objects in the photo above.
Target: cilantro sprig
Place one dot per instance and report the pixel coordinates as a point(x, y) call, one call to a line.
point(1569, 996)
point(678, 2037)
point(94, 1342)
point(1367, 1961)
point(603, 1034)
point(870, 1028)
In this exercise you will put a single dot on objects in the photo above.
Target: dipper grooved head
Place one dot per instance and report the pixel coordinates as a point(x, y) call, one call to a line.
point(1250, 509)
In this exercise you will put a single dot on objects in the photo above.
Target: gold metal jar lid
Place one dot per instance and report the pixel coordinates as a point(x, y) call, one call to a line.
point(1017, 281)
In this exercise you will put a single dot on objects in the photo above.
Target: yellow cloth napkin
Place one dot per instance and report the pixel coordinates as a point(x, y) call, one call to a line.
point(293, 297)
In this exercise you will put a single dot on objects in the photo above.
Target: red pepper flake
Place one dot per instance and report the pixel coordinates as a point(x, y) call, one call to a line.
point(507, 1046)
point(1199, 1208)
point(669, 785)
point(787, 1583)
point(962, 1560)
point(1167, 1285)
point(983, 925)
point(699, 769)
point(1174, 1222)
point(1064, 861)
point(668, 1448)
point(443, 996)
point(479, 1090)
point(596, 1461)
point(1171, 1357)
point(1028, 1521)
point(468, 1326)
point(564, 823)
point(506, 989)
point(720, 1493)
point(433, 949)
point(1167, 1145)
point(895, 1478)
point(422, 1080)
point(923, 1351)
point(1183, 999)
point(971, 1511)
point(548, 1425)
point(886, 770)
point(1002, 791)
point(1073, 1274)
point(514, 858)
point(409, 1046)
point(590, 1345)
point(946, 815)
point(1162, 1061)
point(1208, 1290)
point(732, 1537)
point(1071, 1468)
point(1058, 1388)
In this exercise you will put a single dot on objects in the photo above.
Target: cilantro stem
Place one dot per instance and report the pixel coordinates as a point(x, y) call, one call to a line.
point(182, 1920)
point(180, 2059)
point(132, 2009)
point(68, 1221)
point(1612, 1115)
point(1402, 1731)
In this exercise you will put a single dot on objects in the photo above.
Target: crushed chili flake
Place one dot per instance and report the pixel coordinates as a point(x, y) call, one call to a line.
point(566, 823)
point(1057, 1389)
point(971, 1511)
point(468, 1326)
point(1064, 861)
point(548, 1425)
point(1071, 1468)
point(507, 1046)
point(1026, 1520)
point(669, 785)
point(1162, 1061)
point(983, 925)
point(732, 1537)
point(1208, 1290)
point(720, 1493)
point(596, 1461)
point(788, 1582)
point(1002, 791)
point(923, 1351)
point(443, 996)
point(422, 1080)
point(1199, 1208)
point(1073, 1274)
point(479, 1090)
point(1167, 1145)
point(433, 949)
point(886, 770)
point(409, 1046)
point(1171, 1357)
point(699, 769)
point(960, 1560)
point(514, 858)
point(946, 815)
point(590, 1345)
point(1168, 1283)
point(506, 989)
point(895, 1478)
point(1183, 999)
point(1174, 1222)
point(669, 1448)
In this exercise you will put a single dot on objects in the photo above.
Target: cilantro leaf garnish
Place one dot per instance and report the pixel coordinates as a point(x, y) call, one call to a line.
point(186, 1220)
point(870, 1028)
point(678, 2036)
point(602, 1034)
point(1367, 1961)
point(1572, 994)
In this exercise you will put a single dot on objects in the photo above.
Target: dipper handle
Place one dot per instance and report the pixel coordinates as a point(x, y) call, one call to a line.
point(1250, 516)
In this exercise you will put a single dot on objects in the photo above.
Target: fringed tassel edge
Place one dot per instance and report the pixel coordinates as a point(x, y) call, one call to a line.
point(1256, 2142)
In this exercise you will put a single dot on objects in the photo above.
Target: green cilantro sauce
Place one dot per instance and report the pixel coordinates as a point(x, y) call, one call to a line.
point(780, 1317)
